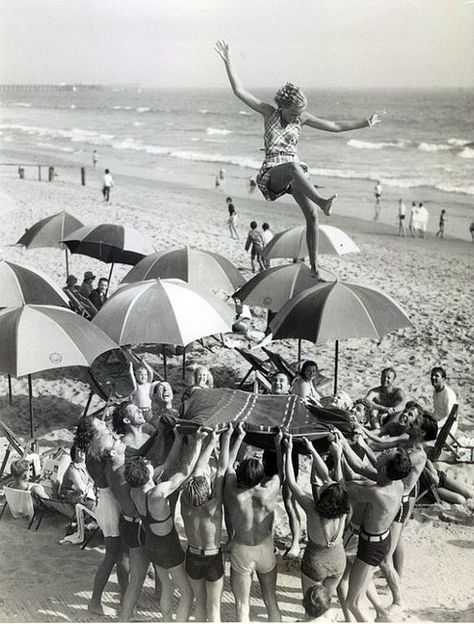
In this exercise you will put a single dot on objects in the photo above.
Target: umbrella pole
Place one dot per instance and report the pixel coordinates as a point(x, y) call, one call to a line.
point(67, 262)
point(299, 352)
point(110, 277)
point(184, 361)
point(10, 398)
point(30, 393)
point(336, 355)
point(163, 350)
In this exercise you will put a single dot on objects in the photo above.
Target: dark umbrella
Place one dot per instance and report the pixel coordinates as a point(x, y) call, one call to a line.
point(336, 311)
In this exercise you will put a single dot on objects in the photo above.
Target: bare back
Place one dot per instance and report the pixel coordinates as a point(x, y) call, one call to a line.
point(203, 525)
point(252, 511)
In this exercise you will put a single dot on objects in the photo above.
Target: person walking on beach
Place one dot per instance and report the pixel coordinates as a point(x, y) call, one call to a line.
point(413, 218)
point(471, 231)
point(282, 172)
point(267, 237)
point(94, 159)
point(256, 244)
point(232, 220)
point(442, 223)
point(107, 185)
point(378, 195)
point(401, 218)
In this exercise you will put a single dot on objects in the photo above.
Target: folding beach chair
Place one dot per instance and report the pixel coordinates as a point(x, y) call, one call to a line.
point(28, 451)
point(280, 364)
point(257, 365)
point(20, 503)
point(445, 437)
point(80, 305)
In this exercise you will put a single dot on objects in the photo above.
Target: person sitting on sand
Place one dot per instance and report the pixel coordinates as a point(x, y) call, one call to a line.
point(303, 385)
point(256, 244)
point(77, 485)
point(127, 422)
point(282, 172)
point(77, 301)
point(162, 543)
point(326, 510)
point(201, 509)
point(252, 510)
point(141, 376)
point(87, 284)
point(99, 295)
point(448, 489)
point(444, 397)
point(385, 400)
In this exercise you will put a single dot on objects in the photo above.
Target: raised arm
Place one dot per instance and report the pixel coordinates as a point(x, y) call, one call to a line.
point(223, 50)
point(355, 462)
point(235, 447)
point(223, 463)
point(340, 126)
point(336, 452)
point(319, 468)
point(148, 369)
point(290, 472)
point(131, 373)
point(166, 488)
point(206, 452)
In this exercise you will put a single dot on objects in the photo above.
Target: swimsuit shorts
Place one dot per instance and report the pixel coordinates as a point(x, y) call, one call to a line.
point(351, 541)
point(373, 553)
point(245, 559)
point(321, 562)
point(107, 513)
point(263, 178)
point(207, 567)
point(377, 195)
point(402, 217)
point(164, 550)
point(131, 532)
point(404, 510)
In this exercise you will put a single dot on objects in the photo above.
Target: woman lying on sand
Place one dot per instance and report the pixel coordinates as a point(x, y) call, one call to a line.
point(281, 171)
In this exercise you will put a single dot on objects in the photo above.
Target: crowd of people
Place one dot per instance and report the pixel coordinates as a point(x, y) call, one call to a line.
point(129, 470)
point(85, 299)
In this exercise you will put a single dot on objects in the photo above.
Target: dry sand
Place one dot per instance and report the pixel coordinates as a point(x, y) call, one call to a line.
point(43, 581)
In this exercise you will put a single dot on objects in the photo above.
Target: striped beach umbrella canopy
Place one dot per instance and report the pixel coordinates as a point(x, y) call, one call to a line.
point(333, 311)
point(49, 232)
point(201, 269)
point(292, 243)
point(20, 285)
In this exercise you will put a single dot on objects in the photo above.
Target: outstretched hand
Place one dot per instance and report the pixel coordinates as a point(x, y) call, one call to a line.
point(223, 50)
point(376, 117)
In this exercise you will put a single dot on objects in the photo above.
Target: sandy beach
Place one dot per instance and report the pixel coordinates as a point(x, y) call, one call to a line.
point(431, 279)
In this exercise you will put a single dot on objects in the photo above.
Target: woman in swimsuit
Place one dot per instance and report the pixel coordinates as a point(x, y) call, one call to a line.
point(282, 172)
point(303, 385)
point(324, 559)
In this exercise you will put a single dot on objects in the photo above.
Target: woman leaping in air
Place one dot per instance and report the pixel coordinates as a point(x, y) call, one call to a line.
point(281, 171)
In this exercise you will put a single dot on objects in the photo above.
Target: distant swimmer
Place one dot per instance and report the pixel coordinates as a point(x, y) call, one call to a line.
point(471, 230)
point(281, 171)
point(378, 195)
point(95, 158)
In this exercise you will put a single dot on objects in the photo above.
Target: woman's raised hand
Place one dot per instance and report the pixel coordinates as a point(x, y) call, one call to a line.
point(376, 117)
point(223, 50)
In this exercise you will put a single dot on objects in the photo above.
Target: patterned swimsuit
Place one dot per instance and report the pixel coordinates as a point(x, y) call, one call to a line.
point(280, 147)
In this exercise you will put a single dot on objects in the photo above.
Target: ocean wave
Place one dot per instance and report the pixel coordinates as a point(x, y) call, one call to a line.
point(222, 131)
point(204, 111)
point(450, 188)
point(142, 109)
point(467, 152)
point(458, 142)
point(244, 112)
point(423, 146)
point(67, 150)
point(433, 147)
point(22, 104)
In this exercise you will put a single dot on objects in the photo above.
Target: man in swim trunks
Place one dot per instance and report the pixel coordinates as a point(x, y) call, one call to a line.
point(201, 510)
point(382, 497)
point(152, 501)
point(385, 400)
point(128, 421)
point(252, 513)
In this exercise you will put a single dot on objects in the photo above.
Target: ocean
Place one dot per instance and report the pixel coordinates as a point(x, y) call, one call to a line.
point(425, 142)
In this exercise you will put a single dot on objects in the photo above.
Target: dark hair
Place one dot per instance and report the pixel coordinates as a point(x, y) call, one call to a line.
point(333, 501)
point(316, 600)
point(136, 471)
point(196, 491)
point(107, 171)
point(429, 428)
point(73, 452)
point(306, 365)
point(440, 370)
point(253, 225)
point(19, 467)
point(85, 433)
point(389, 369)
point(416, 405)
point(228, 199)
point(265, 226)
point(270, 462)
point(398, 465)
point(117, 418)
point(249, 472)
point(103, 279)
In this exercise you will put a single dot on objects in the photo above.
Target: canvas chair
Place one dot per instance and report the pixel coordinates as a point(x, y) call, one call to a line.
point(257, 365)
point(80, 305)
point(28, 451)
point(462, 453)
point(280, 364)
point(20, 503)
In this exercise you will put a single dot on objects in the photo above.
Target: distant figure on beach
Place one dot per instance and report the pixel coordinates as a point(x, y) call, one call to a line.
point(471, 230)
point(267, 237)
point(222, 176)
point(421, 220)
point(107, 185)
point(401, 218)
point(256, 244)
point(217, 183)
point(94, 159)
point(282, 171)
point(232, 220)
point(413, 217)
point(378, 195)
point(442, 223)
point(252, 184)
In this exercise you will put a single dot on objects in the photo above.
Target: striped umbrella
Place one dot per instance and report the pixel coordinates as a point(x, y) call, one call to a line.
point(20, 285)
point(163, 312)
point(110, 243)
point(292, 243)
point(49, 232)
point(38, 337)
point(338, 310)
point(201, 269)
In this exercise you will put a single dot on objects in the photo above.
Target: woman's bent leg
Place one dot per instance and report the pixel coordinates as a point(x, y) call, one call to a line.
point(312, 228)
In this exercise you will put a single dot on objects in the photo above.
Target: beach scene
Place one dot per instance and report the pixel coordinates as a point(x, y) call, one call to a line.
point(236, 329)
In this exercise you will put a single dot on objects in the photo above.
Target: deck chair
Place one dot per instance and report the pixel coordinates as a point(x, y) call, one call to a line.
point(444, 438)
point(257, 365)
point(80, 304)
point(280, 364)
point(462, 452)
point(20, 503)
point(28, 451)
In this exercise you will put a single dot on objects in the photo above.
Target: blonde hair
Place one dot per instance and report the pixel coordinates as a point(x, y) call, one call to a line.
point(291, 95)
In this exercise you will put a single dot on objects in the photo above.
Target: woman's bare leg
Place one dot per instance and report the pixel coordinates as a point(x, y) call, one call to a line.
point(312, 229)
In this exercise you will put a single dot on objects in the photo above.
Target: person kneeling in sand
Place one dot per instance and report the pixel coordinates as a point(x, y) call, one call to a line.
point(201, 509)
point(385, 400)
point(252, 510)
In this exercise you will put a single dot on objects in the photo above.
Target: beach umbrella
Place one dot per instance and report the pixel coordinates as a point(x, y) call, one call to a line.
point(36, 338)
point(110, 243)
point(333, 311)
point(292, 243)
point(199, 268)
point(20, 285)
point(49, 232)
point(163, 312)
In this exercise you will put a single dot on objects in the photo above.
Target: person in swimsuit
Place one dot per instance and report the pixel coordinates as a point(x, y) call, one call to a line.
point(142, 378)
point(128, 421)
point(161, 539)
point(282, 172)
point(385, 400)
point(303, 385)
point(201, 509)
point(324, 559)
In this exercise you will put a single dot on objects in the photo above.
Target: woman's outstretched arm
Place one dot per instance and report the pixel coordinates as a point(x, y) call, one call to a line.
point(341, 126)
point(223, 50)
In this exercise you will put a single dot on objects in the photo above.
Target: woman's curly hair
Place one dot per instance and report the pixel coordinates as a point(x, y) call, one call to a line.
point(291, 95)
point(85, 432)
point(333, 501)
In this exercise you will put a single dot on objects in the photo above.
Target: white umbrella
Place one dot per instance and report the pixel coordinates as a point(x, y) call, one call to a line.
point(292, 243)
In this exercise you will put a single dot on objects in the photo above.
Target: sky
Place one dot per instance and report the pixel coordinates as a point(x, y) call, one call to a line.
point(169, 43)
